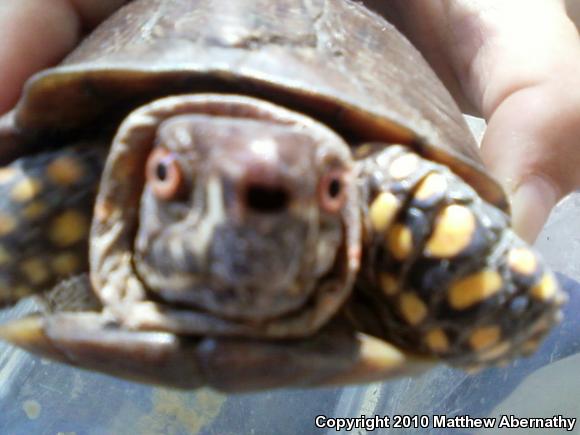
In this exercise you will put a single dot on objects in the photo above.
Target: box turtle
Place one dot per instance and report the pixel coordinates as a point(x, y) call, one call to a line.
point(286, 195)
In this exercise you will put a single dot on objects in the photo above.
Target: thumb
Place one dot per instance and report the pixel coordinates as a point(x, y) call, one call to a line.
point(31, 40)
point(527, 84)
point(532, 145)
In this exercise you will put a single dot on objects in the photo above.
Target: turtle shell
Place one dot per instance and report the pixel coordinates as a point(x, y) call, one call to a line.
point(335, 61)
point(329, 67)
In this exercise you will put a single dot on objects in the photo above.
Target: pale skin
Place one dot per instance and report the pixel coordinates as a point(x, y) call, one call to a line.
point(514, 62)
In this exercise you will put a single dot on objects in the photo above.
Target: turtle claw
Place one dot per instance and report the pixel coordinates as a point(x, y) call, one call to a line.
point(379, 360)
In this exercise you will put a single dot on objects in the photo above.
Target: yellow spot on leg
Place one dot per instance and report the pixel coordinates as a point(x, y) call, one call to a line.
point(432, 185)
point(383, 210)
point(437, 340)
point(522, 260)
point(68, 228)
point(473, 289)
point(484, 337)
point(64, 171)
point(454, 228)
point(413, 309)
point(7, 224)
point(404, 166)
point(26, 189)
point(400, 241)
point(35, 270)
point(546, 288)
point(389, 284)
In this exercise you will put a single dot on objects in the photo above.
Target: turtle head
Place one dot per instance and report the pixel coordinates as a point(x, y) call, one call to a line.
point(241, 217)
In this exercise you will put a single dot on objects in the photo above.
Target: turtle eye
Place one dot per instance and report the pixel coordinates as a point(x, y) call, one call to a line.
point(332, 191)
point(164, 174)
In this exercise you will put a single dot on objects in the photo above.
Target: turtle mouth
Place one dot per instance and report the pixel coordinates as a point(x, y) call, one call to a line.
point(256, 271)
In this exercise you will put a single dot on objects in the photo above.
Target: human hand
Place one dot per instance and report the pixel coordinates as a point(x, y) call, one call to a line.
point(35, 34)
point(517, 64)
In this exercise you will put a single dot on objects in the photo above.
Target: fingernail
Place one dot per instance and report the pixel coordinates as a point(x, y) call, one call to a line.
point(532, 202)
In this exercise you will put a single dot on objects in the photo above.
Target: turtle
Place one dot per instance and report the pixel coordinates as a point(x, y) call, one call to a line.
point(250, 195)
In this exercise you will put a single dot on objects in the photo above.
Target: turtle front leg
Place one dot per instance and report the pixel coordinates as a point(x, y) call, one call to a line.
point(46, 202)
point(445, 274)
point(334, 356)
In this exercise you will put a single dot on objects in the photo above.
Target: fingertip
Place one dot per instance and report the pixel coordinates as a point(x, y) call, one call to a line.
point(531, 147)
point(30, 41)
point(33, 37)
point(532, 202)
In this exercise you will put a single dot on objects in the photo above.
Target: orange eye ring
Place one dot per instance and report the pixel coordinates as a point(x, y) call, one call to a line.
point(164, 174)
point(332, 191)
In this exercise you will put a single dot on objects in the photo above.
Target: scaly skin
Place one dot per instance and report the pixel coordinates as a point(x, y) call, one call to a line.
point(442, 269)
point(46, 205)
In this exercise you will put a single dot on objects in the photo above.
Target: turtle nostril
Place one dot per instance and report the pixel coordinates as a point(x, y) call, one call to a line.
point(266, 199)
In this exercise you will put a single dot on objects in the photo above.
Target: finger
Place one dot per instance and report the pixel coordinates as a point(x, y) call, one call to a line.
point(532, 144)
point(518, 64)
point(34, 36)
point(527, 84)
